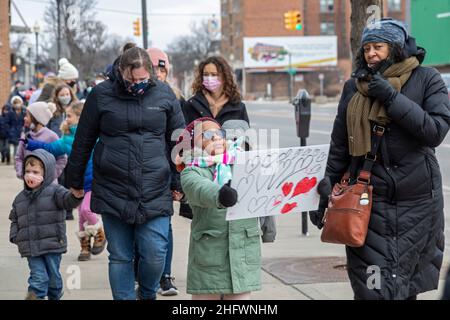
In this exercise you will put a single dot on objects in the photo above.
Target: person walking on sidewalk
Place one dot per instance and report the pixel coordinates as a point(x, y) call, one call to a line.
point(15, 122)
point(218, 265)
point(129, 118)
point(63, 96)
point(4, 134)
point(90, 226)
point(37, 116)
point(38, 225)
point(161, 66)
point(406, 229)
point(69, 74)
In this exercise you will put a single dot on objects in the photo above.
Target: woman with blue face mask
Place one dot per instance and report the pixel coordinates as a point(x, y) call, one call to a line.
point(128, 121)
point(216, 93)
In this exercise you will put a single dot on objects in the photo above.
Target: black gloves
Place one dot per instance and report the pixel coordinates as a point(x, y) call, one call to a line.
point(227, 195)
point(324, 189)
point(382, 90)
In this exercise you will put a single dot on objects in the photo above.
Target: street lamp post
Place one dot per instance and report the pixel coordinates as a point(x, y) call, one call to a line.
point(36, 30)
point(28, 67)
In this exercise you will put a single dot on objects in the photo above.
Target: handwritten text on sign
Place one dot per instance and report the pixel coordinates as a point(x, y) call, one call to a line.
point(275, 182)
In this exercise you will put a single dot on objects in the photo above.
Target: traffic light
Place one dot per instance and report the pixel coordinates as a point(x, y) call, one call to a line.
point(293, 20)
point(298, 20)
point(137, 27)
point(289, 22)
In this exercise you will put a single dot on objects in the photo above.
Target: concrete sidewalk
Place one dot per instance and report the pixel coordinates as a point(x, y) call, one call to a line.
point(289, 246)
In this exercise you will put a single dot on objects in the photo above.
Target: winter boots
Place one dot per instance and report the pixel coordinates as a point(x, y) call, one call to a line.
point(85, 242)
point(91, 231)
point(99, 242)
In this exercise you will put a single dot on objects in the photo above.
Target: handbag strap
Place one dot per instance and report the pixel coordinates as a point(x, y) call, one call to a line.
point(371, 156)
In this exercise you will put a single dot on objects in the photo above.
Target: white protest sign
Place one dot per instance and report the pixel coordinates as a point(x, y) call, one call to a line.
point(276, 182)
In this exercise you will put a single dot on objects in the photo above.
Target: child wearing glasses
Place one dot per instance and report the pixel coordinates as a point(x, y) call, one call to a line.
point(224, 256)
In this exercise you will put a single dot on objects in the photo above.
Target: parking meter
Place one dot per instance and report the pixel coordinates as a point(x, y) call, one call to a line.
point(302, 104)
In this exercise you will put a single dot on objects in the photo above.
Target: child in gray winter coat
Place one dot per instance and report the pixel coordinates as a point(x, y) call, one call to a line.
point(38, 225)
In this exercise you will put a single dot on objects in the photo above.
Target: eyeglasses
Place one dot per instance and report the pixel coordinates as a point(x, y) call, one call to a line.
point(209, 134)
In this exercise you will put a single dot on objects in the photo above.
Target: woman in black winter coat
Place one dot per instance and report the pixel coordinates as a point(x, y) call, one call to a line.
point(405, 240)
point(129, 119)
point(215, 93)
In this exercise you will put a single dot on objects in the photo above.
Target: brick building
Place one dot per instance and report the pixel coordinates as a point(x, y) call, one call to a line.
point(5, 76)
point(265, 18)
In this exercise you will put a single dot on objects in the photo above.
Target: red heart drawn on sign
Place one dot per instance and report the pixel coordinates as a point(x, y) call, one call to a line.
point(287, 188)
point(288, 207)
point(304, 186)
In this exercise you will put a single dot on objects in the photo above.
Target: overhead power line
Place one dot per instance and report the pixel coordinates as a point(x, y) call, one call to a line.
point(154, 14)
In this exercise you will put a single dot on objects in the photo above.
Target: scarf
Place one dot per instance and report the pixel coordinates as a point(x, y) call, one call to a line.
point(215, 105)
point(362, 109)
point(222, 162)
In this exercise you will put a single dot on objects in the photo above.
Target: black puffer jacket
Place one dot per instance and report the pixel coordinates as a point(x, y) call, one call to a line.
point(38, 218)
point(132, 167)
point(406, 230)
point(198, 107)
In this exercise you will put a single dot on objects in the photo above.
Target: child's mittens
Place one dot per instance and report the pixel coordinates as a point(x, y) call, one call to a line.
point(34, 144)
point(227, 195)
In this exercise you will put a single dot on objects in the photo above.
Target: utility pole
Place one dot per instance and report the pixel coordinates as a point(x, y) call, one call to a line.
point(291, 78)
point(144, 24)
point(58, 41)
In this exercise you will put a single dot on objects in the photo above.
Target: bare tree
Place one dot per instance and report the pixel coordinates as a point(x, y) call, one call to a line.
point(363, 12)
point(185, 50)
point(85, 40)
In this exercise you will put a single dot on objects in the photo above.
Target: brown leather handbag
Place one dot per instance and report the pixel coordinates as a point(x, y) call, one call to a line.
point(346, 220)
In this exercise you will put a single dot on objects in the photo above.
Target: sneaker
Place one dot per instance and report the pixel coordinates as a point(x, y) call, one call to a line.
point(167, 288)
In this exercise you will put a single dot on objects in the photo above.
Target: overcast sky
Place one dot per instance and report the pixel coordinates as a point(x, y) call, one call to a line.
point(162, 28)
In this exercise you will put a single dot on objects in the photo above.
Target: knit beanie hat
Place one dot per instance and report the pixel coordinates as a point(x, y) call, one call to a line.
point(13, 99)
point(42, 111)
point(67, 71)
point(385, 30)
point(159, 58)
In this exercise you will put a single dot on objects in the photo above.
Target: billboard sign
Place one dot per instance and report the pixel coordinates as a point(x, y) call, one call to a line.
point(306, 51)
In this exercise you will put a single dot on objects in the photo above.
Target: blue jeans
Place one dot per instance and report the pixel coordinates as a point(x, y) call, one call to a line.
point(150, 239)
point(168, 262)
point(45, 278)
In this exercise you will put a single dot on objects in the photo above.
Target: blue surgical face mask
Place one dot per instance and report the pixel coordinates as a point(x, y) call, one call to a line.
point(137, 88)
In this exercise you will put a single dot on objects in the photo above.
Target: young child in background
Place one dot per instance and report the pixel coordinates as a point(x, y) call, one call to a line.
point(37, 116)
point(4, 134)
point(90, 225)
point(218, 265)
point(38, 225)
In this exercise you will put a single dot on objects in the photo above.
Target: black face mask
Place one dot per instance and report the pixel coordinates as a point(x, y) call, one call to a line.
point(72, 84)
